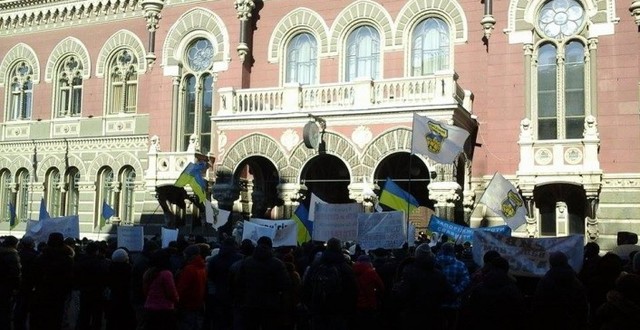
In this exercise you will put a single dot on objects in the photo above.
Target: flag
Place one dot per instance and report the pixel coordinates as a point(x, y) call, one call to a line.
point(107, 212)
point(315, 200)
point(305, 227)
point(12, 215)
point(503, 199)
point(440, 142)
point(43, 210)
point(397, 199)
point(192, 176)
point(216, 217)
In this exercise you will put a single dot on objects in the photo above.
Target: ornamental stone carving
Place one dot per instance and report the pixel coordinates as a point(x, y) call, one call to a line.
point(244, 8)
point(289, 139)
point(361, 136)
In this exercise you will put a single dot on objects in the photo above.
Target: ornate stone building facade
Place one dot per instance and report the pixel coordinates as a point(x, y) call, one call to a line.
point(104, 100)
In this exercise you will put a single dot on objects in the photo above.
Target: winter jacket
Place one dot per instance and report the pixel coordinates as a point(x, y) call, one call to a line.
point(192, 284)
point(370, 286)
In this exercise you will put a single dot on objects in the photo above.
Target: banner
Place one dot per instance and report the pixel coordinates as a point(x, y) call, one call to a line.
point(386, 230)
point(461, 234)
point(286, 231)
point(254, 231)
point(39, 230)
point(505, 200)
point(336, 220)
point(168, 235)
point(131, 237)
point(528, 256)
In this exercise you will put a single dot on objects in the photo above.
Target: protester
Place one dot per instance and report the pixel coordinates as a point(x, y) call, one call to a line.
point(497, 302)
point(370, 290)
point(330, 290)
point(53, 280)
point(421, 291)
point(622, 308)
point(90, 271)
point(560, 300)
point(27, 254)
point(119, 311)
point(9, 279)
point(191, 285)
point(139, 267)
point(458, 278)
point(602, 281)
point(291, 296)
point(161, 293)
point(259, 285)
point(218, 268)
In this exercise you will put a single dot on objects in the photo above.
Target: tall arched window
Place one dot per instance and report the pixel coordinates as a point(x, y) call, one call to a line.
point(22, 196)
point(363, 54)
point(69, 88)
point(302, 59)
point(21, 89)
point(197, 95)
point(52, 193)
point(430, 47)
point(71, 192)
point(107, 192)
point(561, 71)
point(5, 195)
point(128, 179)
point(123, 83)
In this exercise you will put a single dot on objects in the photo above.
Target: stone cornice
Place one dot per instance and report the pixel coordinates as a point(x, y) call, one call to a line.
point(26, 16)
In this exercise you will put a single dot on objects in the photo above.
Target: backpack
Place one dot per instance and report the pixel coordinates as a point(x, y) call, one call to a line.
point(326, 286)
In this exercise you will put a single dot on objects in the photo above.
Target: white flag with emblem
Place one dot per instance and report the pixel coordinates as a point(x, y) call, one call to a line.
point(440, 142)
point(503, 198)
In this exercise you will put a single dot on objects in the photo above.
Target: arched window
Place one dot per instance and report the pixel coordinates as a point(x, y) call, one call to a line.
point(122, 83)
point(430, 47)
point(561, 71)
point(5, 195)
point(71, 193)
point(21, 97)
point(69, 88)
point(22, 196)
point(363, 54)
point(302, 59)
point(128, 179)
point(197, 96)
point(52, 193)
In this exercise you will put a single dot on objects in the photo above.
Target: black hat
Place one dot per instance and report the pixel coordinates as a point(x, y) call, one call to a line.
point(55, 240)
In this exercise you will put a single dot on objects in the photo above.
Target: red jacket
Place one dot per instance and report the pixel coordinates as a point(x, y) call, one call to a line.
point(192, 284)
point(370, 286)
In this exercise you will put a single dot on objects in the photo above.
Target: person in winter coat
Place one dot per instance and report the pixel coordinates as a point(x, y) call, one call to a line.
point(457, 275)
point(421, 291)
point(497, 302)
point(9, 278)
point(259, 285)
point(218, 268)
point(370, 290)
point(192, 286)
point(622, 308)
point(560, 299)
point(91, 270)
point(119, 312)
point(161, 293)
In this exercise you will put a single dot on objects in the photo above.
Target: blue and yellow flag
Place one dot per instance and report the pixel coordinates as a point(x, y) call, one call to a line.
point(192, 176)
point(44, 214)
point(305, 227)
point(12, 215)
point(107, 213)
point(397, 199)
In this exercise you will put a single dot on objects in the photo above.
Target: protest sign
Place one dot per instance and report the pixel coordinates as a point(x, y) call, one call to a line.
point(387, 230)
point(168, 235)
point(336, 220)
point(528, 256)
point(39, 230)
point(286, 231)
point(253, 231)
point(461, 234)
point(131, 237)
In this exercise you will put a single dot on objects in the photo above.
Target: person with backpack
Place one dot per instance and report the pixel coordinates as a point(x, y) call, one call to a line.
point(330, 290)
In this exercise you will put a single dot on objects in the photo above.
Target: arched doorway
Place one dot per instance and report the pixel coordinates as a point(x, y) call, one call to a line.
point(561, 208)
point(258, 181)
point(328, 177)
point(409, 172)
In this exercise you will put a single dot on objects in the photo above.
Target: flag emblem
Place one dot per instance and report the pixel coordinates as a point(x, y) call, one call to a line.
point(511, 204)
point(435, 137)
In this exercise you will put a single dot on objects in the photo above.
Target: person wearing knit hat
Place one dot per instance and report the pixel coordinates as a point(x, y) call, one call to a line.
point(120, 255)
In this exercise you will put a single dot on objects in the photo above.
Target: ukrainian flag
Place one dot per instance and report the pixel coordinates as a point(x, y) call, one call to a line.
point(192, 176)
point(305, 227)
point(395, 198)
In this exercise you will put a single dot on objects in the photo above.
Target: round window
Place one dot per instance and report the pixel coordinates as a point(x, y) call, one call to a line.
point(200, 54)
point(560, 18)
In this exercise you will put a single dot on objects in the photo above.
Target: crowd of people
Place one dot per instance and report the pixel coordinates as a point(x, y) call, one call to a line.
point(197, 285)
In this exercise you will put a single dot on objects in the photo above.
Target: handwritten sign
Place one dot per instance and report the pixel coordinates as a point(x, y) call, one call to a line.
point(131, 237)
point(387, 230)
point(286, 231)
point(336, 220)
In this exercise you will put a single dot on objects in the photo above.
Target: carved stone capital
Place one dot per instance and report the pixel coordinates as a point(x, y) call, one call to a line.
point(635, 11)
point(244, 8)
point(488, 23)
point(152, 9)
point(592, 229)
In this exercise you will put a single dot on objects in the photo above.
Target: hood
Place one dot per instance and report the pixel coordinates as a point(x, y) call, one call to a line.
point(361, 267)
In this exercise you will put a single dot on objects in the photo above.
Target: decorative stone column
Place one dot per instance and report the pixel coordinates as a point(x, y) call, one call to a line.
point(245, 12)
point(225, 193)
point(531, 224)
point(488, 21)
point(292, 194)
point(362, 192)
point(152, 9)
point(445, 195)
